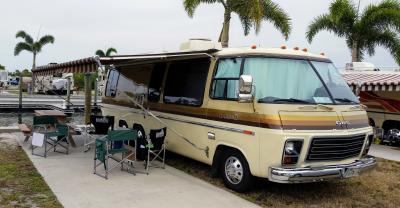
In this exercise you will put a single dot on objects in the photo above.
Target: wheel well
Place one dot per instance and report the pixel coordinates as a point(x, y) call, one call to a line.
point(390, 124)
point(122, 123)
point(217, 158)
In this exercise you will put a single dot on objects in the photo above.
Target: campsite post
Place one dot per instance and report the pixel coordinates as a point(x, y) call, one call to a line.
point(88, 99)
point(68, 92)
point(20, 99)
point(95, 92)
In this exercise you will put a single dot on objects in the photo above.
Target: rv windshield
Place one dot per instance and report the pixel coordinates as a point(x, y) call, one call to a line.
point(280, 80)
point(338, 88)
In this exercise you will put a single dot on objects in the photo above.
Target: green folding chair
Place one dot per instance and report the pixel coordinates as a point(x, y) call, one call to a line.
point(55, 134)
point(107, 149)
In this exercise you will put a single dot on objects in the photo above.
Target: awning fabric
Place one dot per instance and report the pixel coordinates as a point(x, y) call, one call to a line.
point(78, 66)
point(91, 64)
point(373, 81)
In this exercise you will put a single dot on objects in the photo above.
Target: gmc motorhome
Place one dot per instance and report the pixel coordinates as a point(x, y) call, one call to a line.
point(282, 114)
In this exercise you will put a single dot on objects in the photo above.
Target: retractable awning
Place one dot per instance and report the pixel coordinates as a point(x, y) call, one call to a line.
point(373, 81)
point(92, 64)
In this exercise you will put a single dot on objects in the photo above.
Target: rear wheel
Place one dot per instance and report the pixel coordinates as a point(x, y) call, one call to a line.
point(236, 172)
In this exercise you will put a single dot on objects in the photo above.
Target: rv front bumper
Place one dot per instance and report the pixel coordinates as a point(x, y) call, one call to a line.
point(315, 174)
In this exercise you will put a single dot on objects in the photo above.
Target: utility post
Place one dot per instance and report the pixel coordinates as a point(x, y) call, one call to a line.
point(20, 99)
point(68, 92)
point(88, 98)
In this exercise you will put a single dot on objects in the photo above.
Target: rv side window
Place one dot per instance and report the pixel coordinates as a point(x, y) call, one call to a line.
point(112, 82)
point(226, 79)
point(186, 82)
point(157, 76)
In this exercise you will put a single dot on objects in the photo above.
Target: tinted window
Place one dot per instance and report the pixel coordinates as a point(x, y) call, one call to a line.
point(185, 82)
point(111, 87)
point(226, 79)
point(156, 80)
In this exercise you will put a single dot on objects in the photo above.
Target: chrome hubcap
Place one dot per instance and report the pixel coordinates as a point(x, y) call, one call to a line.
point(233, 170)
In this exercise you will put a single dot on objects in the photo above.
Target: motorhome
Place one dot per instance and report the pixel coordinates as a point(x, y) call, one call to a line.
point(282, 114)
point(55, 84)
point(378, 89)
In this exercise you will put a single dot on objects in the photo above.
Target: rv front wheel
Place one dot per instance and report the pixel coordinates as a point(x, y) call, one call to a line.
point(236, 172)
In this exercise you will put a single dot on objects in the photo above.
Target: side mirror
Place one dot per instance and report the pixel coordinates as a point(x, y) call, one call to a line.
point(245, 88)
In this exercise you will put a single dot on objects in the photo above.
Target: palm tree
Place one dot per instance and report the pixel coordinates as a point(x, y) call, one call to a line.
point(108, 52)
point(250, 12)
point(377, 25)
point(30, 45)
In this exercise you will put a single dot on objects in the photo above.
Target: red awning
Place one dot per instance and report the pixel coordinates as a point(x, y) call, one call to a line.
point(92, 64)
point(374, 80)
point(78, 66)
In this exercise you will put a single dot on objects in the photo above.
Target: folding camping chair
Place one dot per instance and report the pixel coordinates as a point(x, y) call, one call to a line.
point(98, 127)
point(156, 148)
point(54, 134)
point(105, 150)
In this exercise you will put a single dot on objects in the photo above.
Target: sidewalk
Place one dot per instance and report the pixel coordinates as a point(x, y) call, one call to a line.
point(386, 152)
point(71, 179)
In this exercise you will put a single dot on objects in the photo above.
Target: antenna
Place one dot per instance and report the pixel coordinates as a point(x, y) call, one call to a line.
point(358, 8)
point(37, 38)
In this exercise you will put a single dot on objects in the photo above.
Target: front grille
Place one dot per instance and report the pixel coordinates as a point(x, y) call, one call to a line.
point(335, 148)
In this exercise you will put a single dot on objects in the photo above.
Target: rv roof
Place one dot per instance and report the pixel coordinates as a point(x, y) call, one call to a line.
point(214, 52)
point(269, 52)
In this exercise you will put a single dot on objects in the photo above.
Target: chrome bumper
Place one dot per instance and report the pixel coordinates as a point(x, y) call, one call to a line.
point(315, 174)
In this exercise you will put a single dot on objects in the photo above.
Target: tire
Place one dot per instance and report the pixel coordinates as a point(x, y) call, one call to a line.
point(236, 172)
point(390, 140)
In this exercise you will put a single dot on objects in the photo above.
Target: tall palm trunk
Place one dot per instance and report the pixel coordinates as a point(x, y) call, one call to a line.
point(355, 53)
point(224, 36)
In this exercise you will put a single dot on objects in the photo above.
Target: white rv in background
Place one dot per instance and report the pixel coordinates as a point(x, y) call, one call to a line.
point(56, 84)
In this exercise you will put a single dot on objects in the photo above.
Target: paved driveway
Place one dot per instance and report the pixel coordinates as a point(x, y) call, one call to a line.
point(387, 152)
point(71, 179)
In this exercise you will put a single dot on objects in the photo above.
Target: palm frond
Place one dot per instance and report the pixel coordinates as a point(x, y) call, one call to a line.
point(110, 51)
point(277, 16)
point(100, 53)
point(46, 40)
point(344, 14)
point(246, 24)
point(381, 16)
point(21, 34)
point(22, 46)
point(387, 39)
point(191, 5)
point(322, 22)
point(24, 35)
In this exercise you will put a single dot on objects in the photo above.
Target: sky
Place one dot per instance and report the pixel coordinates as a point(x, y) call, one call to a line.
point(143, 26)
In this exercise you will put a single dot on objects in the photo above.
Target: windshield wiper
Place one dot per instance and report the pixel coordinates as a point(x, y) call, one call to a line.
point(291, 100)
point(345, 100)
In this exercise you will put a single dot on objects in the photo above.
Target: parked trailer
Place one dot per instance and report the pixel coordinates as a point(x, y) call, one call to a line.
point(281, 114)
point(380, 91)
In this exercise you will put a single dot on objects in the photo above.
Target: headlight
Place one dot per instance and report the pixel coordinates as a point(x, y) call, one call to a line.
point(292, 151)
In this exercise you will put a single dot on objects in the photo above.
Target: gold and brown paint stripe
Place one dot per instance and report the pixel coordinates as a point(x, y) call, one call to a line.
point(286, 122)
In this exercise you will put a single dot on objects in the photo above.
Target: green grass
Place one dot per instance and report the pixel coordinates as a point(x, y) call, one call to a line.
point(20, 183)
point(379, 187)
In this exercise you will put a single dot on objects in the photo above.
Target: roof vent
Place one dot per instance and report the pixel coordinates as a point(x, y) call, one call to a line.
point(360, 66)
point(200, 44)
